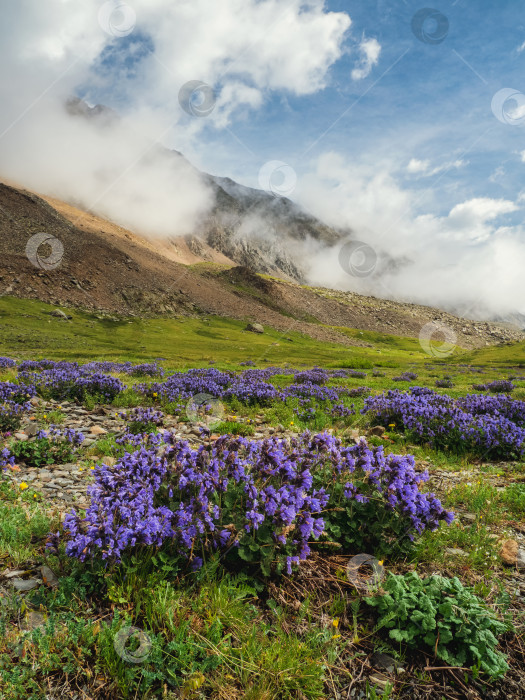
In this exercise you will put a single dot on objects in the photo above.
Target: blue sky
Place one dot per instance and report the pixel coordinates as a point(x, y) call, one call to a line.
point(433, 105)
point(387, 134)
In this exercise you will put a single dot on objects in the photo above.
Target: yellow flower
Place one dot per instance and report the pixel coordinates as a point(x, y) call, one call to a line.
point(380, 562)
point(155, 394)
point(335, 622)
point(92, 469)
point(391, 425)
point(23, 486)
point(45, 416)
point(336, 636)
point(291, 422)
point(34, 495)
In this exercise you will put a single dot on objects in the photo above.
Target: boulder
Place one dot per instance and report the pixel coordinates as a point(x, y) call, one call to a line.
point(509, 552)
point(254, 328)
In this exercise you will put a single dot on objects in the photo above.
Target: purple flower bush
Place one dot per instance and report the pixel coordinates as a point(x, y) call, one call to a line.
point(358, 391)
point(68, 381)
point(444, 383)
point(260, 502)
point(16, 393)
point(500, 386)
point(11, 414)
point(142, 420)
point(13, 404)
point(7, 363)
point(312, 376)
point(405, 377)
point(6, 459)
point(492, 427)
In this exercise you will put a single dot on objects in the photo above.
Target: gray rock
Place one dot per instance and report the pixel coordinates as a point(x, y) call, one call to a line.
point(49, 577)
point(254, 328)
point(21, 584)
point(31, 429)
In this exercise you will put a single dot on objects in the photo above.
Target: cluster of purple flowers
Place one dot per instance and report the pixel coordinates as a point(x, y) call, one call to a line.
point(142, 420)
point(358, 391)
point(339, 410)
point(6, 459)
point(405, 377)
point(69, 435)
point(143, 415)
point(7, 363)
point(257, 498)
point(68, 380)
point(500, 386)
point(249, 387)
point(16, 393)
point(11, 415)
point(444, 383)
point(312, 376)
point(13, 404)
point(394, 477)
point(493, 427)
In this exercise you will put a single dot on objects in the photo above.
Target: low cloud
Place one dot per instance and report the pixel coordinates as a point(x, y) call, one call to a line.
point(469, 260)
point(369, 50)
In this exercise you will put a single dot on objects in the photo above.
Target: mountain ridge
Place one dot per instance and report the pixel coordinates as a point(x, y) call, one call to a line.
point(108, 269)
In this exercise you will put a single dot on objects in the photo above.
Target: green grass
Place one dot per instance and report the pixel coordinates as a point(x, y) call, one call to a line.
point(27, 330)
point(22, 520)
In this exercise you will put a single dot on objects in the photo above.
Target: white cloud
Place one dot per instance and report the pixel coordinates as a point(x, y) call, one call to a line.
point(418, 166)
point(423, 167)
point(467, 258)
point(521, 48)
point(369, 50)
point(241, 48)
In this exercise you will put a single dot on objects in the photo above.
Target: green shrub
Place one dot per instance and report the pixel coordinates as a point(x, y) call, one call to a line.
point(233, 428)
point(44, 450)
point(443, 615)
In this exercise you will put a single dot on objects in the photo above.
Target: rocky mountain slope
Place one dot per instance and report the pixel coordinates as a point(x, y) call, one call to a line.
point(106, 268)
point(250, 227)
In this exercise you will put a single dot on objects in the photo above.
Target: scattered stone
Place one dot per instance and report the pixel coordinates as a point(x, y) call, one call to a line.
point(58, 313)
point(254, 328)
point(509, 552)
point(21, 584)
point(32, 429)
point(21, 436)
point(468, 517)
point(49, 577)
point(97, 430)
point(377, 430)
point(32, 620)
point(384, 662)
point(455, 552)
point(520, 559)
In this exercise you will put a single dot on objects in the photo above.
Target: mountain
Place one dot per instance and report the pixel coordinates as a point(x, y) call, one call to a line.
point(246, 226)
point(100, 266)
